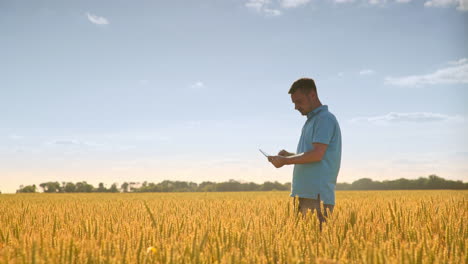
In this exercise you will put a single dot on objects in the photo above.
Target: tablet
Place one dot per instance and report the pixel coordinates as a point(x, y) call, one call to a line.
point(266, 155)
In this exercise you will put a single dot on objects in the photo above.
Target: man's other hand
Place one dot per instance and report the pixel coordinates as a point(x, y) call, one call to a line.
point(277, 161)
point(284, 153)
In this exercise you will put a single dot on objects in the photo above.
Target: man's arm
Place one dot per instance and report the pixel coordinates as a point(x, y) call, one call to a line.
point(314, 155)
point(310, 156)
point(285, 153)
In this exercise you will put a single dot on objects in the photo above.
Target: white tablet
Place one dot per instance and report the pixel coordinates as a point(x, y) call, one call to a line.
point(266, 155)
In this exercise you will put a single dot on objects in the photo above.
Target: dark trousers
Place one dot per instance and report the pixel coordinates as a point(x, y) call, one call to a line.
point(314, 205)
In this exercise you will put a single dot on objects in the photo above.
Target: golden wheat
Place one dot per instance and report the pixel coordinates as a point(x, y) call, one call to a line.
point(246, 227)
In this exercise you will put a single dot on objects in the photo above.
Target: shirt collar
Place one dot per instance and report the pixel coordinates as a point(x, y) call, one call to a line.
point(317, 110)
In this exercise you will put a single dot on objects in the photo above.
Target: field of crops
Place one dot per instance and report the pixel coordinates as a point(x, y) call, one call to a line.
point(260, 227)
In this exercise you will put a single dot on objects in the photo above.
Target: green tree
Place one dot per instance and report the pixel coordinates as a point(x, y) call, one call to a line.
point(84, 187)
point(113, 188)
point(270, 186)
point(69, 187)
point(124, 186)
point(101, 188)
point(27, 189)
point(51, 187)
point(207, 186)
point(230, 186)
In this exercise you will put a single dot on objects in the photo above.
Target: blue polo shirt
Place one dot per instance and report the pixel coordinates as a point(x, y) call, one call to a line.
point(311, 179)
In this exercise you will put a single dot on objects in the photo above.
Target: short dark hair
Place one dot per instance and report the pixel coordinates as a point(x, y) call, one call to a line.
point(304, 85)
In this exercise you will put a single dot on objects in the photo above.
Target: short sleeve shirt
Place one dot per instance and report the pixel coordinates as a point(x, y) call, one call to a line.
point(311, 179)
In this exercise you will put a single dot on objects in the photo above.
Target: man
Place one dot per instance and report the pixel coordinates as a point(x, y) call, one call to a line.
point(318, 158)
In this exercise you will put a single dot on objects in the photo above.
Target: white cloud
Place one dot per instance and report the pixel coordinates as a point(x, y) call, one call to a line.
point(293, 3)
point(65, 142)
point(97, 19)
point(198, 85)
point(456, 74)
point(459, 62)
point(377, 2)
point(257, 5)
point(272, 12)
point(262, 6)
point(366, 72)
point(343, 1)
point(274, 8)
point(373, 2)
point(72, 142)
point(439, 3)
point(462, 5)
point(414, 117)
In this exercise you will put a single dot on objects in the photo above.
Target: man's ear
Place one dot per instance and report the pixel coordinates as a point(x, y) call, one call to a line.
point(312, 94)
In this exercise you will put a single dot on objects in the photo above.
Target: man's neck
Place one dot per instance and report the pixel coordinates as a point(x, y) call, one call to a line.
point(317, 105)
point(314, 106)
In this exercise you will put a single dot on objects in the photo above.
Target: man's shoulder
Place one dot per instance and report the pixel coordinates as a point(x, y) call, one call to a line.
point(327, 115)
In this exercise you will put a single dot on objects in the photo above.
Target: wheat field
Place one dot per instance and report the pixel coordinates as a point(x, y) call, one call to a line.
point(238, 227)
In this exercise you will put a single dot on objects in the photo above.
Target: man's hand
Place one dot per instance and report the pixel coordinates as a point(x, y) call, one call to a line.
point(285, 153)
point(277, 161)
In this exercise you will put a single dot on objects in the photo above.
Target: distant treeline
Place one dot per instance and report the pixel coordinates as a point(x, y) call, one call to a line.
point(430, 183)
point(164, 186)
point(433, 182)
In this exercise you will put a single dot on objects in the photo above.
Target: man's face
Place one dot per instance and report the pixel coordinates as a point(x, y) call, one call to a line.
point(302, 101)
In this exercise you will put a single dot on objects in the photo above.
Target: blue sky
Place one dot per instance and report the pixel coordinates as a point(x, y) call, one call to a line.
point(114, 91)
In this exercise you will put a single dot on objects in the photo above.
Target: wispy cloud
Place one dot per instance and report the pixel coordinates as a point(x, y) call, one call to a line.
point(366, 72)
point(72, 142)
point(257, 4)
point(262, 6)
point(65, 142)
point(193, 124)
point(376, 2)
point(413, 161)
point(274, 7)
point(97, 19)
point(455, 74)
point(462, 5)
point(138, 136)
point(413, 117)
point(459, 62)
point(198, 85)
point(343, 1)
point(143, 82)
point(271, 12)
point(16, 137)
point(293, 3)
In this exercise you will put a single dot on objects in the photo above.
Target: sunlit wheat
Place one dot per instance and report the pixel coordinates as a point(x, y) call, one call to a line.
point(249, 227)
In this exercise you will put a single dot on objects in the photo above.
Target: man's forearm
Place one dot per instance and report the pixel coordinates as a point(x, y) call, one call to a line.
point(302, 158)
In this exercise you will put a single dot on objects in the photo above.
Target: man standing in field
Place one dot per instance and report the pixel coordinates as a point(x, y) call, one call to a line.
point(318, 158)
